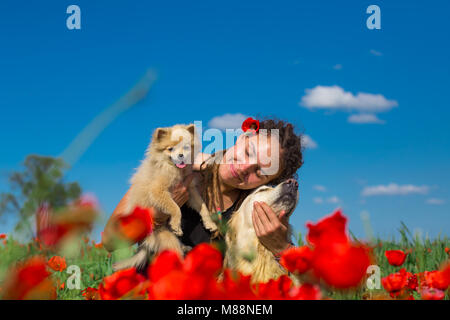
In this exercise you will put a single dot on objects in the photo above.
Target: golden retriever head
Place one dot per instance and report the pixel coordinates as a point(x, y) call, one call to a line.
point(284, 196)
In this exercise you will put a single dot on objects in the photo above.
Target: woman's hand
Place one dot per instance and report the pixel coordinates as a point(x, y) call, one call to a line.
point(180, 193)
point(272, 231)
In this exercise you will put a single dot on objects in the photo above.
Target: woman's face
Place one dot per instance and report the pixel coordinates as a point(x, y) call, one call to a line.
point(251, 162)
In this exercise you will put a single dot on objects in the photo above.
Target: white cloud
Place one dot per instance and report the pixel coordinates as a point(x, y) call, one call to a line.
point(308, 142)
point(318, 200)
point(333, 199)
point(435, 201)
point(320, 188)
point(227, 121)
point(336, 98)
point(376, 53)
point(394, 189)
point(337, 66)
point(364, 118)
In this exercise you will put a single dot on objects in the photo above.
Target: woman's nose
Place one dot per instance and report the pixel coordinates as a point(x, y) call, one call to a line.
point(247, 168)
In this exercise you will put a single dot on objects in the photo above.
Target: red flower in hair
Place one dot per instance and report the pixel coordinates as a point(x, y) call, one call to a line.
point(251, 125)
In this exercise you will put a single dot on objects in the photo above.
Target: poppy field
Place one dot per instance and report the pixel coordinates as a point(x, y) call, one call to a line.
point(61, 262)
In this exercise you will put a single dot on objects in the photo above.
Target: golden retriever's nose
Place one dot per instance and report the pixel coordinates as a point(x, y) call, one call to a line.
point(291, 185)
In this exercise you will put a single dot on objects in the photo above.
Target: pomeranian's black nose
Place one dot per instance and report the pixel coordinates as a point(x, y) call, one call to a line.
point(291, 184)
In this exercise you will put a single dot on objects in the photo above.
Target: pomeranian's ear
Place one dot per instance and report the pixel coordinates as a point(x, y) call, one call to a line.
point(191, 129)
point(160, 133)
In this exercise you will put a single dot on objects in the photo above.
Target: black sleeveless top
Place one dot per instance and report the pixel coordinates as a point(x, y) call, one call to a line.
point(194, 232)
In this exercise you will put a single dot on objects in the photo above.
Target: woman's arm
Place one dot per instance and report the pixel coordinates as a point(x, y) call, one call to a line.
point(179, 193)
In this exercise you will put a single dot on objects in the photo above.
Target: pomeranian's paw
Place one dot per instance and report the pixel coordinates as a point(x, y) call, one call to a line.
point(176, 227)
point(211, 226)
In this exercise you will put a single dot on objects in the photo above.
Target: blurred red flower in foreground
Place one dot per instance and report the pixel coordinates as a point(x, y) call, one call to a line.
point(29, 281)
point(119, 284)
point(297, 259)
point(137, 225)
point(57, 263)
point(395, 257)
point(335, 259)
point(330, 229)
point(53, 228)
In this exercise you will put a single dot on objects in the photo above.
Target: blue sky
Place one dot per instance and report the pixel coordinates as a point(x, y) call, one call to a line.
point(253, 58)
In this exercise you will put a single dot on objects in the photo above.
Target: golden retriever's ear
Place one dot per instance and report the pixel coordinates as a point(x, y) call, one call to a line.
point(160, 133)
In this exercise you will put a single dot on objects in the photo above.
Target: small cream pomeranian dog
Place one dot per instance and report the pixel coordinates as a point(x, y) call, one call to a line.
point(244, 251)
point(168, 161)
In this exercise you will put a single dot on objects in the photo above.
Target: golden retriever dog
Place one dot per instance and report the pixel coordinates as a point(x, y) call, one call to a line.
point(244, 251)
point(168, 161)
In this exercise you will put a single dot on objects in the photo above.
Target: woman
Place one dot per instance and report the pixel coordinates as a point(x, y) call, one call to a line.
point(224, 185)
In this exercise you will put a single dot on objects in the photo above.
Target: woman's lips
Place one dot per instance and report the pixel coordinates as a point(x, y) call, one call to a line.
point(234, 172)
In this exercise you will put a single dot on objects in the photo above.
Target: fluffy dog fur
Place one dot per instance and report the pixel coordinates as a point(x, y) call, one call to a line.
point(168, 161)
point(244, 251)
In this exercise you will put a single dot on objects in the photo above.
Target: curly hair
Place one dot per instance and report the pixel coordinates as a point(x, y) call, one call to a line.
point(291, 161)
point(291, 144)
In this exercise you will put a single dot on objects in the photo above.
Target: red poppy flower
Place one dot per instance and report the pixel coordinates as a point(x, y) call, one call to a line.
point(395, 257)
point(435, 279)
point(2, 236)
point(57, 263)
point(413, 282)
point(203, 259)
point(179, 285)
point(330, 229)
point(29, 280)
point(297, 259)
point(341, 265)
point(119, 284)
point(395, 282)
point(336, 260)
point(251, 125)
point(274, 289)
point(236, 286)
point(136, 225)
point(164, 263)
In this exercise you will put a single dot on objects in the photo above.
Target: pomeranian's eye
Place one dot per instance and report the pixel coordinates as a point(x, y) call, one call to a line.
point(170, 149)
